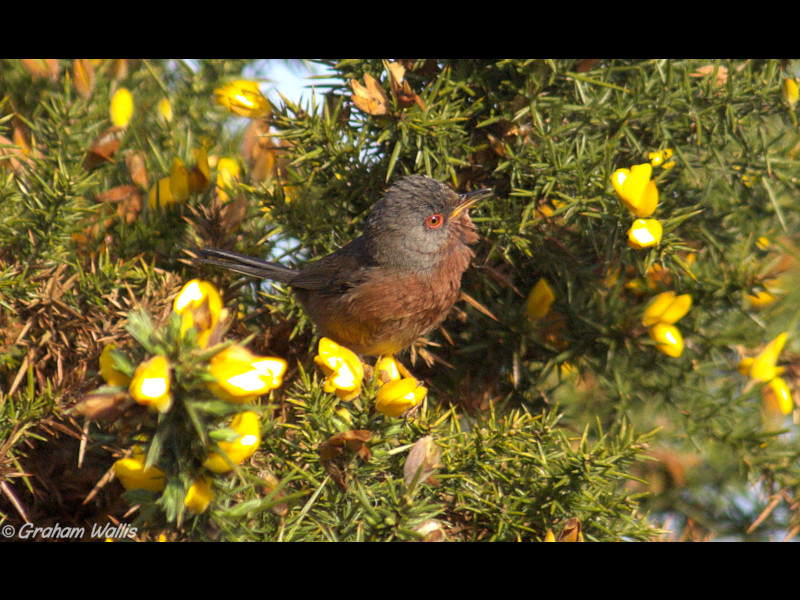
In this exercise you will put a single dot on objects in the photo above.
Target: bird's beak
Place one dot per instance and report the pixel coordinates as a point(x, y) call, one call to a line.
point(468, 199)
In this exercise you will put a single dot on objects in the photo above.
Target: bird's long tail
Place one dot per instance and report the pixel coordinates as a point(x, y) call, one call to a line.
point(246, 265)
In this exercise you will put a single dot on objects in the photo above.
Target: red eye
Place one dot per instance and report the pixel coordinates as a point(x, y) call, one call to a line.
point(434, 221)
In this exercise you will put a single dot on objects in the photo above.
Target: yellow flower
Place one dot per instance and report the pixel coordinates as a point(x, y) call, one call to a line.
point(107, 370)
point(549, 537)
point(228, 172)
point(666, 308)
point(777, 397)
point(745, 365)
point(164, 110)
point(638, 193)
point(200, 175)
point(388, 369)
point(763, 366)
point(199, 305)
point(133, 476)
point(789, 92)
point(761, 299)
point(668, 339)
point(248, 427)
point(160, 194)
point(151, 384)
point(342, 368)
point(540, 299)
point(660, 158)
point(396, 397)
point(242, 376)
point(199, 496)
point(243, 98)
point(121, 107)
point(768, 296)
point(179, 181)
point(644, 233)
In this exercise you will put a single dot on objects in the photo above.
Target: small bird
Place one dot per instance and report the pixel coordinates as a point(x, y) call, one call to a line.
point(377, 294)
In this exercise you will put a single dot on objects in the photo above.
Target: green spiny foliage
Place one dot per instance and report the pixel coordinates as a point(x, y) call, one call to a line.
point(576, 415)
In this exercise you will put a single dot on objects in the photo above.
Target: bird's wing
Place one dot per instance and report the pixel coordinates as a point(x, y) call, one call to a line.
point(335, 272)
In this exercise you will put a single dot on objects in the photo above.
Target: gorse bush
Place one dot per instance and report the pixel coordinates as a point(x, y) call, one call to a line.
point(621, 363)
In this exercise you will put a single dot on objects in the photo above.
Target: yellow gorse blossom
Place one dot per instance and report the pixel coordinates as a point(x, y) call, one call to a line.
point(164, 110)
point(343, 369)
point(243, 98)
point(645, 233)
point(199, 305)
point(396, 397)
point(661, 158)
point(108, 371)
point(789, 92)
point(765, 297)
point(388, 369)
point(150, 385)
point(668, 339)
point(667, 308)
point(199, 496)
point(200, 176)
point(133, 476)
point(777, 397)
point(228, 172)
point(636, 190)
point(775, 394)
point(181, 181)
point(248, 426)
point(242, 376)
point(660, 316)
point(540, 299)
point(763, 367)
point(121, 109)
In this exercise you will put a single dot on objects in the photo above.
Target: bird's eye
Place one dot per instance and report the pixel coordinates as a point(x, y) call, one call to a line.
point(434, 221)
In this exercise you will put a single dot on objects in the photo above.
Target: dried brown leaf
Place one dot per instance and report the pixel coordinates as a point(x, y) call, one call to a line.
point(104, 147)
point(137, 169)
point(83, 76)
point(104, 406)
point(11, 157)
point(400, 88)
point(370, 98)
point(422, 460)
point(42, 68)
point(722, 73)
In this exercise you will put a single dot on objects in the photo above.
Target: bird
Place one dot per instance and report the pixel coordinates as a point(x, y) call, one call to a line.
point(397, 281)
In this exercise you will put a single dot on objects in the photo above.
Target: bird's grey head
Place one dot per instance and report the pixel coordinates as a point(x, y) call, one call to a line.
point(415, 221)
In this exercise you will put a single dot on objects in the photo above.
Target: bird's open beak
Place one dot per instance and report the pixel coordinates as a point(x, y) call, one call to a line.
point(468, 200)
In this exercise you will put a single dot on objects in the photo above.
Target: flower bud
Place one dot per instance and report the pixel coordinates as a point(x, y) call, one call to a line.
point(644, 233)
point(121, 109)
point(133, 476)
point(248, 426)
point(668, 339)
point(107, 370)
point(243, 98)
point(667, 308)
point(396, 397)
point(540, 299)
point(199, 496)
point(789, 92)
